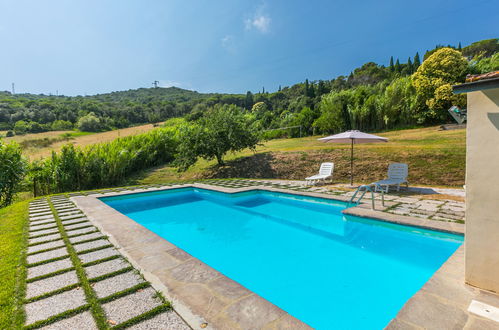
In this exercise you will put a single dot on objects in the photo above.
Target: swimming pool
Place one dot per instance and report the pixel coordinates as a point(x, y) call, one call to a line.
point(300, 253)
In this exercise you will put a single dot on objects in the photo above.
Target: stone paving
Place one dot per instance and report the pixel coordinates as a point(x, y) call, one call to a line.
point(76, 279)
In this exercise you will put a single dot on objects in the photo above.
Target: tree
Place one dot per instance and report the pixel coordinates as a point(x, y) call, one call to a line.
point(417, 61)
point(248, 101)
point(21, 127)
point(434, 79)
point(483, 48)
point(12, 170)
point(224, 128)
point(410, 68)
point(89, 123)
point(398, 68)
point(392, 67)
point(61, 125)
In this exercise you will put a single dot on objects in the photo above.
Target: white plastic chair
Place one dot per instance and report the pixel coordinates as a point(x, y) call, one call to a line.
point(325, 172)
point(397, 175)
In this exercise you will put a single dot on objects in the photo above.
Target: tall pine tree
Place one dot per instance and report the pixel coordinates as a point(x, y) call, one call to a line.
point(459, 46)
point(391, 64)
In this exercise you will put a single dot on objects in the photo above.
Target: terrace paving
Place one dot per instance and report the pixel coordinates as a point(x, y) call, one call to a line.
point(67, 293)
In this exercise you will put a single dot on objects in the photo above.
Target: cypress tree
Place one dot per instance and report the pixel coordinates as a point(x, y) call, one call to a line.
point(279, 88)
point(410, 68)
point(459, 46)
point(417, 61)
point(306, 92)
point(391, 64)
point(397, 66)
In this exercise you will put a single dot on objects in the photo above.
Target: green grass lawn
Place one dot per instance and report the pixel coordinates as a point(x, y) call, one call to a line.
point(13, 226)
point(435, 158)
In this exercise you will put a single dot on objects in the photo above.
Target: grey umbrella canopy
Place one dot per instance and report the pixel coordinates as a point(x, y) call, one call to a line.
point(353, 137)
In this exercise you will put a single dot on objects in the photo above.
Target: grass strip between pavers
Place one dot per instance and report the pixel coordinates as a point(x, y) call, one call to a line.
point(91, 297)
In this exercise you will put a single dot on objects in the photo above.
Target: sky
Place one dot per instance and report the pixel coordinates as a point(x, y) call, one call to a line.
point(74, 47)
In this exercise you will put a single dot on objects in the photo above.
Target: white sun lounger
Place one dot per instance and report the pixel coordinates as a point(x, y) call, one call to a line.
point(325, 172)
point(397, 175)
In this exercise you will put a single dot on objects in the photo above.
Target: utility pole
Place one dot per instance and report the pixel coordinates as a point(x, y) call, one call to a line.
point(13, 89)
point(155, 83)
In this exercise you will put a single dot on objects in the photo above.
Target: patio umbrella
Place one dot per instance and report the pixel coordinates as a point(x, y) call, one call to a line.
point(353, 137)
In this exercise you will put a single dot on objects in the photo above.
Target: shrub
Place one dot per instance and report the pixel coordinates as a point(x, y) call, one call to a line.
point(21, 127)
point(12, 170)
point(9, 133)
point(61, 125)
point(89, 123)
point(104, 164)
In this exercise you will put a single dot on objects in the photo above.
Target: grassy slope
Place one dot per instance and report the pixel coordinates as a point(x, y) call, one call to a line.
point(435, 158)
point(13, 222)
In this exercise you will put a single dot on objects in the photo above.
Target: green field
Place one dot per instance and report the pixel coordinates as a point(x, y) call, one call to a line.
point(435, 157)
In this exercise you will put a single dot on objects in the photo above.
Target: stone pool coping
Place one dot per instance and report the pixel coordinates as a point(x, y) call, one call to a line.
point(199, 293)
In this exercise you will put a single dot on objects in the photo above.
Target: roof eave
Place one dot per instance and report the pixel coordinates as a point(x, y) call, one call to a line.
point(476, 86)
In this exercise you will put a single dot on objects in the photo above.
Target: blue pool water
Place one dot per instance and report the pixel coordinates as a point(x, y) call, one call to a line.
point(300, 253)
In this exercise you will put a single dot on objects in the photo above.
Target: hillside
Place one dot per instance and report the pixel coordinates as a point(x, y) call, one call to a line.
point(435, 158)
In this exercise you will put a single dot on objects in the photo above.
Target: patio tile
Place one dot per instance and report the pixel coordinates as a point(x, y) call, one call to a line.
point(44, 246)
point(34, 289)
point(116, 284)
point(90, 245)
point(49, 268)
point(106, 267)
point(44, 238)
point(84, 321)
point(254, 312)
point(45, 308)
point(166, 320)
point(406, 200)
point(85, 237)
point(135, 304)
point(98, 255)
point(37, 213)
point(69, 212)
point(31, 259)
point(42, 222)
point(72, 216)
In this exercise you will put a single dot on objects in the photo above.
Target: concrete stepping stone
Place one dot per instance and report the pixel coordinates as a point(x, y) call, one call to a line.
point(49, 268)
point(83, 321)
point(39, 208)
point(41, 222)
point(42, 226)
point(39, 257)
point(51, 306)
point(44, 238)
point(72, 216)
point(116, 284)
point(106, 267)
point(85, 237)
point(98, 255)
point(37, 288)
point(166, 320)
point(78, 225)
point(135, 304)
point(45, 246)
point(68, 222)
point(43, 232)
point(70, 212)
point(39, 213)
point(42, 217)
point(90, 245)
point(80, 231)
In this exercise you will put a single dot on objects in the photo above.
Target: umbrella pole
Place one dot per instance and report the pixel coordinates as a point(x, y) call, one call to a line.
point(351, 165)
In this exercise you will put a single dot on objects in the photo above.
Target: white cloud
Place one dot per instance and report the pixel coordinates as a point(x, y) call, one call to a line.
point(259, 21)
